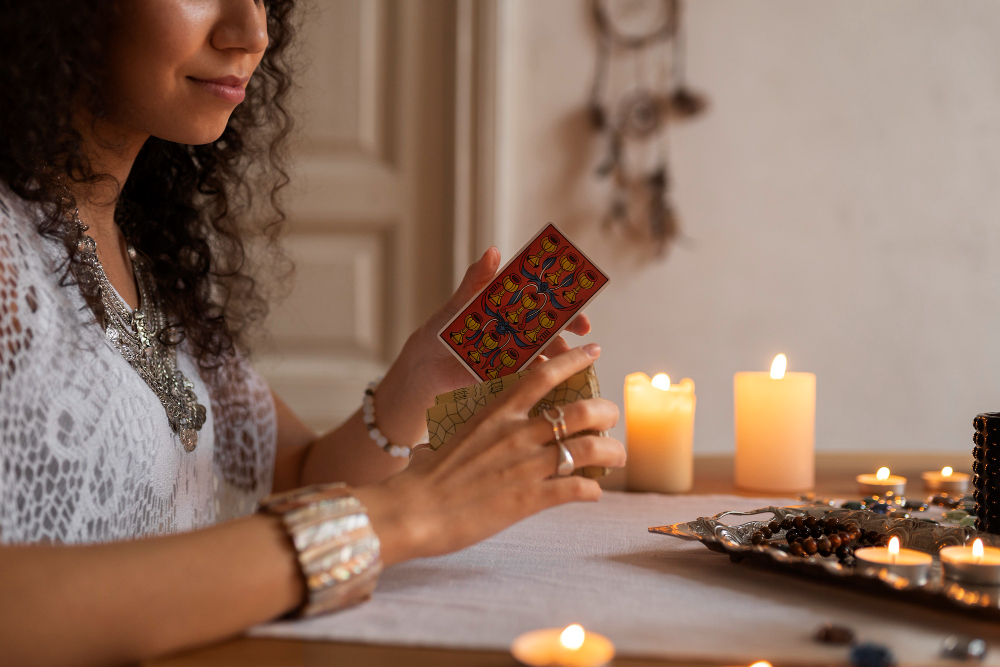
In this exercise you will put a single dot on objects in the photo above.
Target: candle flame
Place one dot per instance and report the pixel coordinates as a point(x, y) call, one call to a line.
point(946, 471)
point(882, 474)
point(893, 548)
point(778, 367)
point(761, 663)
point(572, 637)
point(661, 381)
point(977, 549)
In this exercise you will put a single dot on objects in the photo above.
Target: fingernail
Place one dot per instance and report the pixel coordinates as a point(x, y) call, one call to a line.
point(487, 252)
point(593, 349)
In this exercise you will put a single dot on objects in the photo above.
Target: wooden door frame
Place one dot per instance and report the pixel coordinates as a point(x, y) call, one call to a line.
point(484, 43)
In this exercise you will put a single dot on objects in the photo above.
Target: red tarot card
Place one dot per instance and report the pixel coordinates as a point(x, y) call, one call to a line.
point(531, 300)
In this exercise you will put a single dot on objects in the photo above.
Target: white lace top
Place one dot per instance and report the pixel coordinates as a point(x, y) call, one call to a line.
point(86, 451)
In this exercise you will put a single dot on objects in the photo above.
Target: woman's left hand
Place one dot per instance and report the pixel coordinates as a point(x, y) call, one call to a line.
point(425, 368)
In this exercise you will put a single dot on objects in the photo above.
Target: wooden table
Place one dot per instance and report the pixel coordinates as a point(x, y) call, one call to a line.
point(713, 474)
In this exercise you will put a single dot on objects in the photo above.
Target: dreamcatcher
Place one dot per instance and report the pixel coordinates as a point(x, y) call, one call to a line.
point(638, 89)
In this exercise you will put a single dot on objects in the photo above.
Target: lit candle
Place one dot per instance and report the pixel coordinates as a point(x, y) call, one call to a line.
point(947, 481)
point(775, 429)
point(557, 647)
point(659, 433)
point(973, 564)
point(908, 563)
point(881, 483)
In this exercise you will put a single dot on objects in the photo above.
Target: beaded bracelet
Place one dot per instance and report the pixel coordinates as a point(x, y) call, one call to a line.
point(368, 414)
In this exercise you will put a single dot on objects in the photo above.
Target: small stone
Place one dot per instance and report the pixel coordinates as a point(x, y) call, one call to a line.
point(880, 508)
point(870, 499)
point(915, 504)
point(853, 505)
point(828, 633)
point(968, 521)
point(871, 655)
point(944, 500)
point(955, 647)
point(955, 515)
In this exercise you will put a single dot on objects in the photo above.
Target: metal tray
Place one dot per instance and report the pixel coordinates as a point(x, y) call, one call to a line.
point(735, 540)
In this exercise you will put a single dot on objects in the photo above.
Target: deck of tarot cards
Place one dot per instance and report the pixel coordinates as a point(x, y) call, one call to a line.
point(451, 410)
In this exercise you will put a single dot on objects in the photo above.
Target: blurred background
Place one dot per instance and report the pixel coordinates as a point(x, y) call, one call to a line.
point(839, 200)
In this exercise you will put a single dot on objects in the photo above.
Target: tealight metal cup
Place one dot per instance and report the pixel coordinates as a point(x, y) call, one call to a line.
point(957, 566)
point(955, 485)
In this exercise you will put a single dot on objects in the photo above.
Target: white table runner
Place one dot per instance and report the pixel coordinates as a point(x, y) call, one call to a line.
point(596, 564)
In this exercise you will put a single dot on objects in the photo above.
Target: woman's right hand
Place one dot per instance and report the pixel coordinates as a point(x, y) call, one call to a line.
point(498, 471)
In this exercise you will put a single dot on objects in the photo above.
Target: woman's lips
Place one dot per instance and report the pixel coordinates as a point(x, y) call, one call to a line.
point(229, 88)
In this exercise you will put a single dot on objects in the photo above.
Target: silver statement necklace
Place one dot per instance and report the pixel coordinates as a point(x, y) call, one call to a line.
point(136, 334)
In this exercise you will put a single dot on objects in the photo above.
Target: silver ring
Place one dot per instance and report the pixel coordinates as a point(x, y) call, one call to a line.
point(566, 465)
point(559, 430)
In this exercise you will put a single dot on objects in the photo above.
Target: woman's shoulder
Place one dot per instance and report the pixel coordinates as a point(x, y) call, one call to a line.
point(21, 243)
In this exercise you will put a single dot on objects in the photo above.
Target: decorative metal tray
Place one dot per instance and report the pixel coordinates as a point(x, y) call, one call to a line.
point(735, 540)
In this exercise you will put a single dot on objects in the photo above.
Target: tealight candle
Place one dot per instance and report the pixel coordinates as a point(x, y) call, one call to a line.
point(908, 563)
point(947, 481)
point(881, 484)
point(558, 647)
point(659, 433)
point(972, 564)
point(775, 429)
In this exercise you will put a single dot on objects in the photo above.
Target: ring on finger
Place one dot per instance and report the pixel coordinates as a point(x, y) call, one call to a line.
point(558, 422)
point(565, 464)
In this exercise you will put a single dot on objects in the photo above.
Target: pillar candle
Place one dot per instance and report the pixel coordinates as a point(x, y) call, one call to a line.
point(775, 430)
point(659, 433)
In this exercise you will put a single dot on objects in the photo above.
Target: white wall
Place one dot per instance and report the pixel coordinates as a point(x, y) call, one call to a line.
point(841, 202)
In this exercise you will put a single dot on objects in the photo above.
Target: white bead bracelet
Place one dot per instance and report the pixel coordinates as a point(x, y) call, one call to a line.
point(368, 414)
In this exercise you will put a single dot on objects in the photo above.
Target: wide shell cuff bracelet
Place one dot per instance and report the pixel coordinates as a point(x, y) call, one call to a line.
point(339, 553)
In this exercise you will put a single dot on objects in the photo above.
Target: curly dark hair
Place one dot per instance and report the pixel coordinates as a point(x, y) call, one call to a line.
point(200, 199)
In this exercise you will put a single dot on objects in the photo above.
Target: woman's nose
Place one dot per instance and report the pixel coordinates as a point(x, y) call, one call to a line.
point(242, 25)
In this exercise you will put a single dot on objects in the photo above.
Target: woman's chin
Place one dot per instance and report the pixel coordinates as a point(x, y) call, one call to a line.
point(205, 131)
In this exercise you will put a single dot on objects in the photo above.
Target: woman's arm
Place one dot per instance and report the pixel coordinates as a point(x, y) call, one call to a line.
point(345, 454)
point(127, 601)
point(122, 602)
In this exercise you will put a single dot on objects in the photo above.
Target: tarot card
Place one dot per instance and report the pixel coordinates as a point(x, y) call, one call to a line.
point(530, 301)
point(453, 409)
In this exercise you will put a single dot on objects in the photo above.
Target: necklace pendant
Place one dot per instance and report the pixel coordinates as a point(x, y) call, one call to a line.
point(189, 438)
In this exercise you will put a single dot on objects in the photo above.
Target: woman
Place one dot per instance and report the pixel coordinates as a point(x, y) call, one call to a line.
point(137, 442)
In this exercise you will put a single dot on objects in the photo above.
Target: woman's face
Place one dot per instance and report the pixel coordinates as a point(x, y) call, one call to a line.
point(179, 67)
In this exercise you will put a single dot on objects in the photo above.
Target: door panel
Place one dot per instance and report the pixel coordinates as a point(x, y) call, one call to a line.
point(369, 205)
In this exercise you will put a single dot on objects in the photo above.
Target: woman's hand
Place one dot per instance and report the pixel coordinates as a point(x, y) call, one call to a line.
point(425, 368)
point(498, 471)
